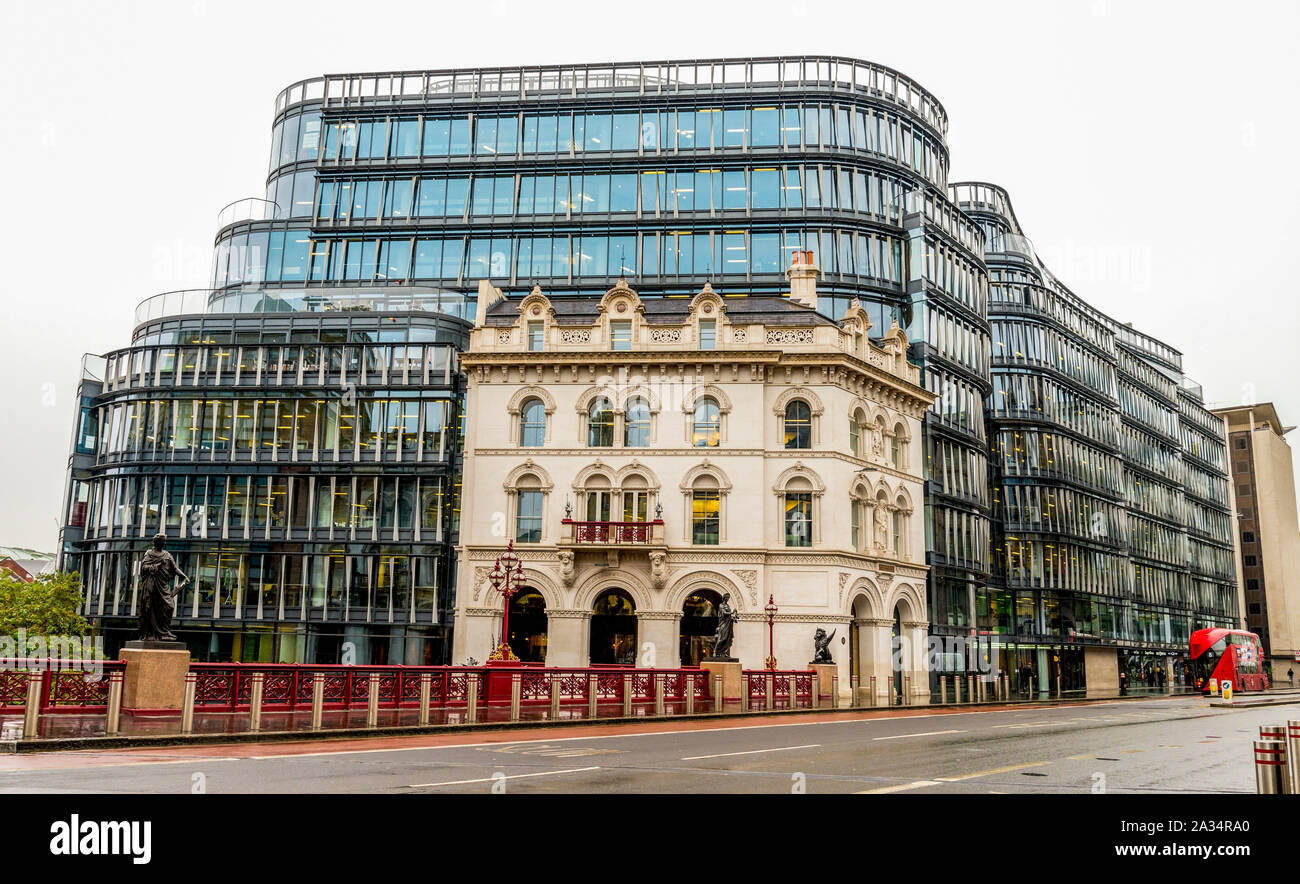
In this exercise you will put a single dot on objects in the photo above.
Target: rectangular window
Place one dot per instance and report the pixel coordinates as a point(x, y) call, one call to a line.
point(535, 336)
point(708, 334)
point(705, 508)
point(529, 523)
point(620, 332)
point(798, 519)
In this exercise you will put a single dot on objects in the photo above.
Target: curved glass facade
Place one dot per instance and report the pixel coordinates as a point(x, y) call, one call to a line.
point(304, 468)
point(1111, 517)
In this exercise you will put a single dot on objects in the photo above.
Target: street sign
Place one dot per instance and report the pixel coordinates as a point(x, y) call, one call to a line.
point(1226, 687)
point(1214, 687)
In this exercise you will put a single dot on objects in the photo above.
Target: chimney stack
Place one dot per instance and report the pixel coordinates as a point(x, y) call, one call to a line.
point(802, 274)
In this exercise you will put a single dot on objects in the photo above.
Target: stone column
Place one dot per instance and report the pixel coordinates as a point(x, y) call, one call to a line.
point(568, 637)
point(661, 630)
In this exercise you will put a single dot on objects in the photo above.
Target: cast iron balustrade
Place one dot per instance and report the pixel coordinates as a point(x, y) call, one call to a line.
point(66, 685)
point(613, 533)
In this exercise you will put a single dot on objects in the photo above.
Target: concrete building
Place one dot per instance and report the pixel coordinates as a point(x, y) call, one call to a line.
point(647, 457)
point(1264, 486)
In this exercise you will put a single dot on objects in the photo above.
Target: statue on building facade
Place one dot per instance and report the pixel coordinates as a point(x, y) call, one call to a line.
point(822, 646)
point(722, 637)
point(157, 595)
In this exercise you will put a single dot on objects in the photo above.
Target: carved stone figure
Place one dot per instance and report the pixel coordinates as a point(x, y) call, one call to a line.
point(722, 637)
point(877, 442)
point(658, 570)
point(566, 566)
point(822, 644)
point(882, 526)
point(157, 596)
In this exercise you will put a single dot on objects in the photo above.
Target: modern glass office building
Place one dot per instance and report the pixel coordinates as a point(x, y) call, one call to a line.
point(1112, 524)
point(420, 185)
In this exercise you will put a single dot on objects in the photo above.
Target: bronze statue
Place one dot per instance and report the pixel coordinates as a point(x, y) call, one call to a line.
point(822, 643)
point(157, 597)
point(727, 618)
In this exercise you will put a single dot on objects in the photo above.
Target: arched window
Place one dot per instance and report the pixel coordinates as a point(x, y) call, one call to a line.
point(636, 426)
point(532, 424)
point(798, 425)
point(528, 513)
point(698, 624)
point(528, 626)
point(613, 629)
point(706, 511)
point(600, 423)
point(896, 443)
point(636, 499)
point(598, 496)
point(707, 426)
point(897, 532)
point(855, 438)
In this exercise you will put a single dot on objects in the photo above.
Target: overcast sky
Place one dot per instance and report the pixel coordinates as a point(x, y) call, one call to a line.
point(1149, 149)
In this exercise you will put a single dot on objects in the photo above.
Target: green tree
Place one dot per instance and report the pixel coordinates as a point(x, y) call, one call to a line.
point(46, 606)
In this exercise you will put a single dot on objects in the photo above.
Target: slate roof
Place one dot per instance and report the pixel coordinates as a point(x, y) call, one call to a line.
point(759, 309)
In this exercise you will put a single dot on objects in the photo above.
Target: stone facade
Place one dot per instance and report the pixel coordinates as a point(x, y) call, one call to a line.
point(802, 436)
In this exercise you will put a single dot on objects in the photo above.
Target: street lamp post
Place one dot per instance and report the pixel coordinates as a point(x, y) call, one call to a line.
point(771, 609)
point(506, 577)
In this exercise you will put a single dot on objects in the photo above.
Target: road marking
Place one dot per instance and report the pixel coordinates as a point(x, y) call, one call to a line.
point(996, 770)
point(919, 784)
point(520, 776)
point(926, 734)
point(756, 751)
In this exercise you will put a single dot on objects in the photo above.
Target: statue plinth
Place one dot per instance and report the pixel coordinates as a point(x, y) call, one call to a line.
point(824, 673)
point(155, 675)
point(733, 676)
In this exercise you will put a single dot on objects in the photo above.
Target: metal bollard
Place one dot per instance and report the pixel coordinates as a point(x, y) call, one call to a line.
point(555, 696)
point(372, 701)
point(187, 703)
point(1277, 733)
point(873, 690)
point(255, 702)
point(794, 696)
point(943, 690)
point(745, 699)
point(593, 695)
point(317, 700)
point(835, 691)
point(516, 694)
point(853, 690)
point(1293, 754)
point(1269, 764)
point(688, 682)
point(907, 691)
point(769, 688)
point(659, 694)
point(717, 693)
point(32, 706)
point(816, 694)
point(426, 693)
point(471, 698)
point(889, 690)
point(114, 718)
point(1006, 686)
point(1058, 687)
point(627, 695)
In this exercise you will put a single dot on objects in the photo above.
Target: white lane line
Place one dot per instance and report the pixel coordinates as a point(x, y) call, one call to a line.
point(750, 752)
point(926, 734)
point(520, 776)
point(919, 784)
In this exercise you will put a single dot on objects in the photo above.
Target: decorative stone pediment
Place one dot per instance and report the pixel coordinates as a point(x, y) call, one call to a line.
point(621, 302)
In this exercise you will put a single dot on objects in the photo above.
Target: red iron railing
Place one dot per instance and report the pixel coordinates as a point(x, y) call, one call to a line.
point(613, 532)
point(66, 685)
point(756, 686)
point(288, 686)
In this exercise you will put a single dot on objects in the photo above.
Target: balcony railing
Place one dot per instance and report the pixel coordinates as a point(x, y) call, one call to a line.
point(613, 533)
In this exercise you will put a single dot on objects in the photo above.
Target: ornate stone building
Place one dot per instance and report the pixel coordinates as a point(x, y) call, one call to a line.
point(648, 457)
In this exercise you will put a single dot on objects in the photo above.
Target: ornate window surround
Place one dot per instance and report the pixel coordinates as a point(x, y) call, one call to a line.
point(818, 489)
point(815, 409)
point(687, 488)
point(516, 407)
point(702, 391)
point(512, 488)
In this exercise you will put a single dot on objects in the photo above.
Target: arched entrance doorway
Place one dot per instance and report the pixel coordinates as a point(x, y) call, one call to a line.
point(857, 665)
point(699, 625)
point(613, 628)
point(528, 626)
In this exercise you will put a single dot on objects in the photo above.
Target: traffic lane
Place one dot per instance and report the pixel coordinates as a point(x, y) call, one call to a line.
point(895, 741)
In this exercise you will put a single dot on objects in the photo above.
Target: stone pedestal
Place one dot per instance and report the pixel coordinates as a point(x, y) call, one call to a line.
point(733, 677)
point(824, 672)
point(155, 675)
point(1101, 671)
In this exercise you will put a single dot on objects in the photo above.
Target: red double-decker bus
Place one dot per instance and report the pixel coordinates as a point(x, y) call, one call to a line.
point(1227, 655)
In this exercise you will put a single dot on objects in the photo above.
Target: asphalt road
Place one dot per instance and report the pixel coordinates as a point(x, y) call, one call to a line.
point(1160, 746)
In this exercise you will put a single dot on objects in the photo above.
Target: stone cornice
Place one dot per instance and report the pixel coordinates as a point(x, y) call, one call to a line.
point(724, 557)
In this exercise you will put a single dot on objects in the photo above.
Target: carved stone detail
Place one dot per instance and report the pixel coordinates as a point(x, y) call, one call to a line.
point(575, 336)
point(789, 336)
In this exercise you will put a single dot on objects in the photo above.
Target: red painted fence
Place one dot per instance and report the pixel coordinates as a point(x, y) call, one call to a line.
point(75, 686)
